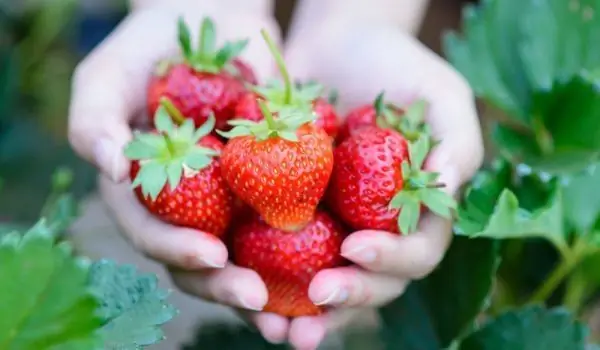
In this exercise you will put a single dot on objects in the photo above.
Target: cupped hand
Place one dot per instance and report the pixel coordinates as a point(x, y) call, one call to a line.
point(360, 62)
point(109, 93)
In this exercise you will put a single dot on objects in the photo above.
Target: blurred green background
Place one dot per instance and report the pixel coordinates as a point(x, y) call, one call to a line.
point(40, 44)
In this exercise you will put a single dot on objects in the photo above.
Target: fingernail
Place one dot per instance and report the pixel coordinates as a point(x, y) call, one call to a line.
point(337, 296)
point(210, 263)
point(250, 303)
point(107, 158)
point(361, 255)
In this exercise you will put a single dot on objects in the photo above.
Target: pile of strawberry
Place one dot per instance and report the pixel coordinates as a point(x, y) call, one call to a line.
point(268, 169)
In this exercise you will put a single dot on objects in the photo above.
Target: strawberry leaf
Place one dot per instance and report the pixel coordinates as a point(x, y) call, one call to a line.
point(530, 328)
point(207, 58)
point(493, 211)
point(423, 318)
point(207, 39)
point(229, 51)
point(164, 157)
point(582, 193)
point(285, 125)
point(44, 300)
point(133, 308)
point(420, 187)
point(185, 41)
point(516, 58)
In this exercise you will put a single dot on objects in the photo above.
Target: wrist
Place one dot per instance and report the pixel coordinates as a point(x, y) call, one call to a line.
point(258, 7)
point(406, 15)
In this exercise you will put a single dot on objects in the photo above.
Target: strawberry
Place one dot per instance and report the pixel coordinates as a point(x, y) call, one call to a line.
point(287, 262)
point(176, 176)
point(327, 119)
point(279, 166)
point(206, 81)
point(377, 182)
point(407, 120)
point(282, 94)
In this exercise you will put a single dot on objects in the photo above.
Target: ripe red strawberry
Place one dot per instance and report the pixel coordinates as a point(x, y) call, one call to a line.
point(284, 95)
point(407, 120)
point(378, 183)
point(326, 117)
point(279, 169)
point(176, 176)
point(287, 262)
point(207, 81)
point(279, 166)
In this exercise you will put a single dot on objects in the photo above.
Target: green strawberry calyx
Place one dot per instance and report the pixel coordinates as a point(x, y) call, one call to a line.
point(206, 57)
point(170, 153)
point(282, 93)
point(409, 121)
point(284, 125)
point(420, 187)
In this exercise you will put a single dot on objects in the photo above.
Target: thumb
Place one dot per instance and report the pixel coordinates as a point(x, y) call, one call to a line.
point(98, 124)
point(108, 89)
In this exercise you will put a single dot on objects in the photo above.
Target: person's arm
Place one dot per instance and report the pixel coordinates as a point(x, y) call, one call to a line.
point(406, 14)
point(263, 7)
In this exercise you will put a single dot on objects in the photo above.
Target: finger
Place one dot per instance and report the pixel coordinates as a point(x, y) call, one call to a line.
point(108, 88)
point(309, 332)
point(232, 285)
point(182, 247)
point(353, 286)
point(274, 328)
point(410, 257)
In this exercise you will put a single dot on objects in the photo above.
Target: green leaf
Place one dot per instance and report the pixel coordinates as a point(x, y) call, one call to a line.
point(570, 112)
point(185, 41)
point(511, 49)
point(206, 39)
point(438, 202)
point(519, 56)
point(418, 151)
point(229, 51)
point(152, 178)
point(530, 328)
point(230, 337)
point(425, 318)
point(409, 215)
point(163, 121)
point(508, 220)
point(174, 173)
point(133, 308)
point(490, 208)
point(44, 299)
point(61, 213)
point(582, 193)
point(143, 146)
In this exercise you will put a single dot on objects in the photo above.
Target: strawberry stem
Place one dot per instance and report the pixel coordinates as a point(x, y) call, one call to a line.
point(280, 65)
point(436, 185)
point(267, 114)
point(169, 143)
point(175, 114)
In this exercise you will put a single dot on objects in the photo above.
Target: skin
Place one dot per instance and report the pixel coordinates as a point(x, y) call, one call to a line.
point(108, 85)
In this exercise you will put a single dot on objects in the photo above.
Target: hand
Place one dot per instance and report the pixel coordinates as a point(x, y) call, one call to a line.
point(108, 96)
point(361, 61)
